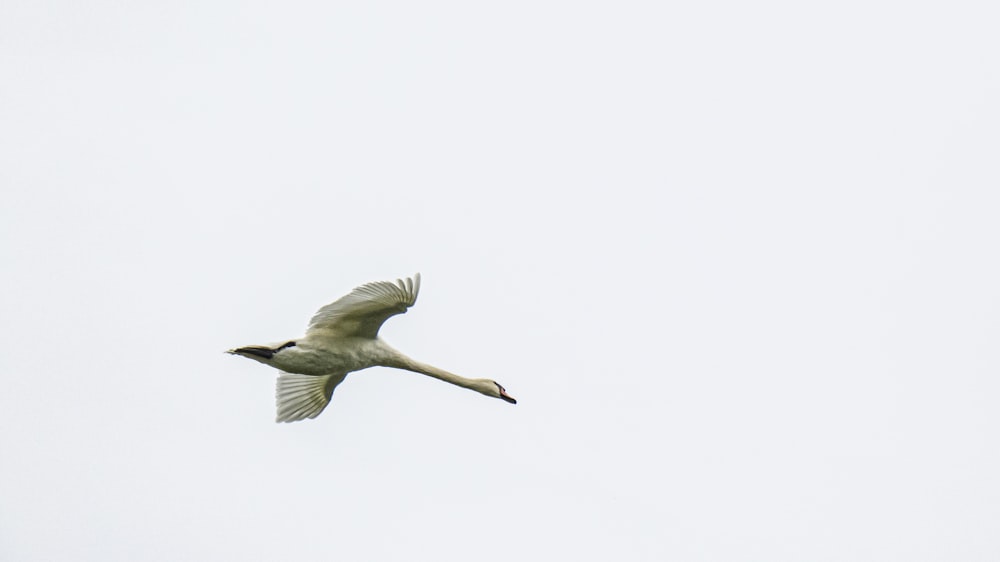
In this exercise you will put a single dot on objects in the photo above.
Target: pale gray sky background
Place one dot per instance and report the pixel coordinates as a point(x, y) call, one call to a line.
point(737, 261)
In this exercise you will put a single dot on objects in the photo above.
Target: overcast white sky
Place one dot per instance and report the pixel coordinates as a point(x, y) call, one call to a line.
point(737, 262)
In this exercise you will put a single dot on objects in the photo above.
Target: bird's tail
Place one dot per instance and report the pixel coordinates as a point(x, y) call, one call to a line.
point(253, 351)
point(260, 351)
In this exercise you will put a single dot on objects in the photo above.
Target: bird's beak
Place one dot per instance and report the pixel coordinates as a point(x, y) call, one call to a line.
point(507, 397)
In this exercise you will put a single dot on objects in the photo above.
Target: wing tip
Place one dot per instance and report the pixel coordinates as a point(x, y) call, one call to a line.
point(415, 288)
point(301, 397)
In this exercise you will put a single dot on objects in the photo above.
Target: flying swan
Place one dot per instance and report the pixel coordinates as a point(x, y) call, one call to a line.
point(343, 337)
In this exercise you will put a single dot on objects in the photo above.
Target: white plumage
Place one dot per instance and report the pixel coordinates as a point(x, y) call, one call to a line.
point(343, 337)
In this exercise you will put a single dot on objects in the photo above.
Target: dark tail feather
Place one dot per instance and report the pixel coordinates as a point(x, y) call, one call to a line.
point(260, 351)
point(263, 352)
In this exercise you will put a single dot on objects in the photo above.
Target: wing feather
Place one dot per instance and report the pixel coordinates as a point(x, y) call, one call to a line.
point(362, 312)
point(301, 397)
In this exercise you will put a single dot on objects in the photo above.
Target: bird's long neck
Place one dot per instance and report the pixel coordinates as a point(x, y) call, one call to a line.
point(401, 361)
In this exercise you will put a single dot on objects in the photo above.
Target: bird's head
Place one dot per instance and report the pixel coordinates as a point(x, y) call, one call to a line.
point(496, 390)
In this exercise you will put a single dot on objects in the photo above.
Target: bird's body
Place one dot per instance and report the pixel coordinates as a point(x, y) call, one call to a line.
point(318, 358)
point(343, 338)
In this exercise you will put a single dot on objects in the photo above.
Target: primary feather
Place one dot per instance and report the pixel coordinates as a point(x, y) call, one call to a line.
point(362, 312)
point(301, 397)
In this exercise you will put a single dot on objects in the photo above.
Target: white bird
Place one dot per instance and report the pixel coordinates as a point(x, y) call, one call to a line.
point(343, 337)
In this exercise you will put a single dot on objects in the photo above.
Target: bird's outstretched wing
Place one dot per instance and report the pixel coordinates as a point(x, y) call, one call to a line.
point(301, 397)
point(363, 311)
